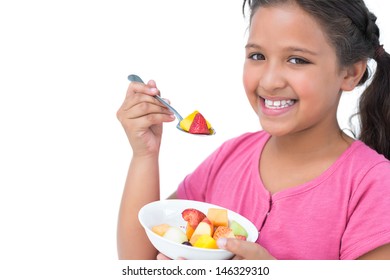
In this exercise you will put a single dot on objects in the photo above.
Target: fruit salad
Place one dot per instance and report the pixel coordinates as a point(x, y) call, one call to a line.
point(203, 231)
point(195, 123)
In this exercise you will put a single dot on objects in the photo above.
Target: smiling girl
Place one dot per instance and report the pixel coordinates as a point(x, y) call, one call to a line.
point(312, 191)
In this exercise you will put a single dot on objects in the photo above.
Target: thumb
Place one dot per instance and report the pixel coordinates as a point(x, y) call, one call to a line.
point(244, 249)
point(152, 83)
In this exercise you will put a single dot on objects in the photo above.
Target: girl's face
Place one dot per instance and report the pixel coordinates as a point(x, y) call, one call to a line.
point(291, 73)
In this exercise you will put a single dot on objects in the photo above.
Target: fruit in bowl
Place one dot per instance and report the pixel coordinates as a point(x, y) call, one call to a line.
point(190, 229)
point(202, 230)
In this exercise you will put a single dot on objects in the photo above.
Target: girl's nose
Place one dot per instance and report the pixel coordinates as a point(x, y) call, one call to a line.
point(272, 78)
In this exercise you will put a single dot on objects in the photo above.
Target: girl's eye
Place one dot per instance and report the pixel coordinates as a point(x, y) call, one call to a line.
point(256, 56)
point(297, 60)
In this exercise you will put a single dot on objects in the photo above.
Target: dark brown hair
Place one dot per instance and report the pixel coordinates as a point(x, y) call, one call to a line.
point(352, 30)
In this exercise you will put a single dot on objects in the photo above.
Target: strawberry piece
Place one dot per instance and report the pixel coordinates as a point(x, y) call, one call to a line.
point(199, 125)
point(193, 216)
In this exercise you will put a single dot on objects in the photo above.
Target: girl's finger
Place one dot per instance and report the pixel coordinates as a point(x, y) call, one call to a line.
point(135, 99)
point(149, 89)
point(162, 257)
point(148, 120)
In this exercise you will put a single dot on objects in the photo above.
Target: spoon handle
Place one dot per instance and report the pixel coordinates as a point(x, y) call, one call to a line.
point(135, 78)
point(178, 116)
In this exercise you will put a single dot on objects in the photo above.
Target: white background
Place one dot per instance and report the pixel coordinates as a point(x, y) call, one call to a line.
point(63, 154)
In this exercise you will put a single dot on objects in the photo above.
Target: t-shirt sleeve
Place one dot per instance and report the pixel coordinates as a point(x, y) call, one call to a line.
point(198, 185)
point(368, 225)
point(194, 185)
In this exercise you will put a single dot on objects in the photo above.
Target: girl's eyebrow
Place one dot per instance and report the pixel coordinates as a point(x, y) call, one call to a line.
point(303, 50)
point(291, 49)
point(252, 45)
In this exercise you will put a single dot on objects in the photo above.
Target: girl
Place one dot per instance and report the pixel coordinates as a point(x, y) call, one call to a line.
point(312, 191)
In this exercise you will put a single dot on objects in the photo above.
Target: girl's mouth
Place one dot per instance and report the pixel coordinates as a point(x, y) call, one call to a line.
point(278, 104)
point(274, 108)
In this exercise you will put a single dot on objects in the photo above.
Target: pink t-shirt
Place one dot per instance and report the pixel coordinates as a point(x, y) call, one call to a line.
point(342, 214)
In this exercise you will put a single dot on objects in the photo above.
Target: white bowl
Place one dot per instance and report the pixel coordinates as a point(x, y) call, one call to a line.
point(169, 212)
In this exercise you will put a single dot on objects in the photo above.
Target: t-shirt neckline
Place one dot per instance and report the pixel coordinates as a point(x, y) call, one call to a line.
point(295, 190)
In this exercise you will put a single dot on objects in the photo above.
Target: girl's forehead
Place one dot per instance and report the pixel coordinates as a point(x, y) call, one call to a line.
point(281, 14)
point(285, 22)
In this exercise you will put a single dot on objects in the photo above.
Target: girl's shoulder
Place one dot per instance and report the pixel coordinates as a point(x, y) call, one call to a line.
point(359, 152)
point(363, 162)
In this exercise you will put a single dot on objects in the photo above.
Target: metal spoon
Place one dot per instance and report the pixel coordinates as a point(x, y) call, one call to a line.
point(135, 78)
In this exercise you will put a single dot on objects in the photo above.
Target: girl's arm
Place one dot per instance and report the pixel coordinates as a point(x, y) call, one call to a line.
point(141, 116)
point(380, 253)
point(141, 187)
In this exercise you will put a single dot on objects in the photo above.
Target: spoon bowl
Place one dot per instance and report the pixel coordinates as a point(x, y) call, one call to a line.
point(135, 78)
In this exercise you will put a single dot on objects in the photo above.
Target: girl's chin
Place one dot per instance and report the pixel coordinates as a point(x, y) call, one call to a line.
point(274, 129)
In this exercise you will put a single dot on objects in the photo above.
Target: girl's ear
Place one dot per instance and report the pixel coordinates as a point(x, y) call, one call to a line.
point(353, 75)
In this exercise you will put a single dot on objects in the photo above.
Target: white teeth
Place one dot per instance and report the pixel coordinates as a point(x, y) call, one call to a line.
point(278, 104)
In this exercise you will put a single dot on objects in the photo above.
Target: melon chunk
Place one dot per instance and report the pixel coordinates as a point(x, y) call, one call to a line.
point(218, 217)
point(161, 229)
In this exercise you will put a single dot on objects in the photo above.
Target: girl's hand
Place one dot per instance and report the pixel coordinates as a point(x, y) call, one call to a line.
point(162, 257)
point(244, 250)
point(141, 115)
